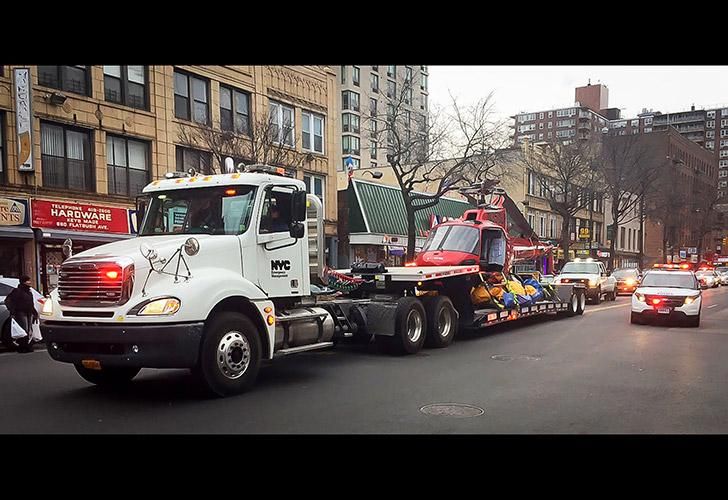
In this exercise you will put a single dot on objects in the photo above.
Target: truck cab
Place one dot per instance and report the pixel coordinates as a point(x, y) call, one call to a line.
point(223, 254)
point(593, 274)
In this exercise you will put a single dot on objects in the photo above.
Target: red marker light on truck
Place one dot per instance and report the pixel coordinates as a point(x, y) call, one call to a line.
point(112, 275)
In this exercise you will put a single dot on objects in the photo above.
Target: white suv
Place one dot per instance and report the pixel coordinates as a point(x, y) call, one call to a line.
point(671, 295)
point(593, 274)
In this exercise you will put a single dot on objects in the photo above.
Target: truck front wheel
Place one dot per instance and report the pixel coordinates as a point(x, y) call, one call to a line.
point(109, 377)
point(230, 355)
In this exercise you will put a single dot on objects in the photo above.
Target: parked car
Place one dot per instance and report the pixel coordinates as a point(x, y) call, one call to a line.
point(707, 278)
point(591, 273)
point(6, 286)
point(628, 279)
point(723, 275)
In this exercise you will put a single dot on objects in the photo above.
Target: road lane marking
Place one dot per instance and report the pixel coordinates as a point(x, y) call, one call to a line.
point(606, 308)
point(714, 305)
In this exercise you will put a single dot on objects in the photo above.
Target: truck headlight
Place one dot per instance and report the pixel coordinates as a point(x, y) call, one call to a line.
point(629, 281)
point(592, 282)
point(47, 307)
point(160, 307)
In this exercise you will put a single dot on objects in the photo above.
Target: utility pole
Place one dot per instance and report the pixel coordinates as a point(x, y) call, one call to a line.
point(641, 242)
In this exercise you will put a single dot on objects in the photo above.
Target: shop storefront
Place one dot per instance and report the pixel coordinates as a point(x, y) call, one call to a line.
point(87, 225)
point(376, 223)
point(16, 238)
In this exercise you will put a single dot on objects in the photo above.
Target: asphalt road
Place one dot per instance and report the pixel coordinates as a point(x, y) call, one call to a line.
point(590, 374)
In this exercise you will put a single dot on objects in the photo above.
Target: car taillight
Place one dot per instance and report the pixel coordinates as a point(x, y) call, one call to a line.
point(656, 301)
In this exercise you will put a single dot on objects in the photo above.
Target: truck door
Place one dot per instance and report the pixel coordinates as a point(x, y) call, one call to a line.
point(280, 269)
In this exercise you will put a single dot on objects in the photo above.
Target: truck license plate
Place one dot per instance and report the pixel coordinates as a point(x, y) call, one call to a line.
point(664, 310)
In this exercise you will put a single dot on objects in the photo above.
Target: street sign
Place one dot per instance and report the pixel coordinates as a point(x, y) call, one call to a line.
point(583, 233)
point(694, 259)
point(692, 250)
point(683, 254)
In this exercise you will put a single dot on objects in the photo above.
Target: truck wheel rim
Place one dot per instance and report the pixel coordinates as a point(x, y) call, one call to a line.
point(414, 326)
point(233, 355)
point(582, 302)
point(574, 303)
point(444, 322)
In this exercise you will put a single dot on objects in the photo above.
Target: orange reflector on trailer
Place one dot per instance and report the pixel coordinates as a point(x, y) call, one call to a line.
point(91, 364)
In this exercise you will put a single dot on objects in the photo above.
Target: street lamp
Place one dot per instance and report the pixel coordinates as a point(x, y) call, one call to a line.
point(375, 175)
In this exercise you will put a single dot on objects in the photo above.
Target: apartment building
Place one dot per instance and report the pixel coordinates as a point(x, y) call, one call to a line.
point(78, 143)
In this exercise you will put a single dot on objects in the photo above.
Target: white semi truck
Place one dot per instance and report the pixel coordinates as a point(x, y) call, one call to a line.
point(219, 279)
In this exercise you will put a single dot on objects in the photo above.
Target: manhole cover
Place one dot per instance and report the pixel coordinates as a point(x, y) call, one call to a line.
point(458, 410)
point(520, 357)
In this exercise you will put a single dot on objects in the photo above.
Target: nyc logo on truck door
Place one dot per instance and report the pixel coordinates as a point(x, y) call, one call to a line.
point(280, 268)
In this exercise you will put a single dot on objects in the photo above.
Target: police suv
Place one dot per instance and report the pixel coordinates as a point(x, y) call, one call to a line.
point(667, 292)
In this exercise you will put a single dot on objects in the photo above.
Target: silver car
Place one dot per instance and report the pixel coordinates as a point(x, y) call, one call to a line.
point(6, 286)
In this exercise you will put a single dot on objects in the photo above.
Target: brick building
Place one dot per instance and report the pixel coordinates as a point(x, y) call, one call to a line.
point(91, 137)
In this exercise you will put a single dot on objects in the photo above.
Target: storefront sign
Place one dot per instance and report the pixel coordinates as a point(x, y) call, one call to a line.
point(13, 212)
point(602, 254)
point(23, 119)
point(79, 217)
point(683, 254)
point(692, 250)
point(583, 233)
point(694, 259)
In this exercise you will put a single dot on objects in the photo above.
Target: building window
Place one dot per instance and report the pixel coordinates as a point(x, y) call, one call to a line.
point(373, 150)
point(710, 145)
point(126, 85)
point(373, 128)
point(540, 116)
point(542, 226)
point(550, 124)
point(408, 95)
point(191, 98)
point(423, 82)
point(350, 123)
point(69, 78)
point(355, 75)
point(188, 158)
point(540, 126)
point(350, 100)
point(391, 89)
point(552, 227)
point(723, 173)
point(724, 143)
point(710, 124)
point(532, 183)
point(283, 128)
point(392, 71)
point(374, 80)
point(313, 131)
point(423, 101)
point(724, 153)
point(373, 106)
point(350, 145)
point(316, 185)
point(234, 110)
point(551, 114)
point(648, 130)
point(710, 134)
point(354, 161)
point(710, 114)
point(408, 74)
point(343, 75)
point(66, 157)
point(530, 220)
point(722, 163)
point(127, 163)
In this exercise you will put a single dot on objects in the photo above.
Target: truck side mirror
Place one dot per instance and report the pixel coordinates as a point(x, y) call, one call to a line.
point(298, 206)
point(297, 230)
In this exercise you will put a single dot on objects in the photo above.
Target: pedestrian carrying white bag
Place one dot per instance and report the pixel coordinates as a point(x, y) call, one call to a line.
point(35, 328)
point(16, 331)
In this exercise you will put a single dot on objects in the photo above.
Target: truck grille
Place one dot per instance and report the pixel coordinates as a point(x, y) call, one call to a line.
point(94, 283)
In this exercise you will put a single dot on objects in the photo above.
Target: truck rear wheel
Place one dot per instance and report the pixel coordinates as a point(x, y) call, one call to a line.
point(442, 321)
point(581, 302)
point(410, 328)
point(230, 355)
point(113, 376)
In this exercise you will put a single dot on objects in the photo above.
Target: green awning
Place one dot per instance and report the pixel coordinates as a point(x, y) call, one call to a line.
point(379, 209)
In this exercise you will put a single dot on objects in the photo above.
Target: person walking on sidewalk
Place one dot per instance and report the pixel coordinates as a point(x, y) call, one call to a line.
point(21, 305)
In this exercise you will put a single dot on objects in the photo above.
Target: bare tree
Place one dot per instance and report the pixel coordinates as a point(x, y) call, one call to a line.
point(663, 204)
point(628, 171)
point(437, 152)
point(264, 141)
point(566, 175)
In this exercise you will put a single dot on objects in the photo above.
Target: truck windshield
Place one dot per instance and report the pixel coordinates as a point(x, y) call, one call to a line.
point(215, 210)
point(581, 268)
point(452, 238)
point(625, 273)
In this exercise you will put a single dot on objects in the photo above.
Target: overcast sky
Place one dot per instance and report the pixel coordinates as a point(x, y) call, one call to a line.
point(538, 88)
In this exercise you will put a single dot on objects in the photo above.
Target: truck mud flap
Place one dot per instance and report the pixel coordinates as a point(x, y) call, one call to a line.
point(380, 318)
